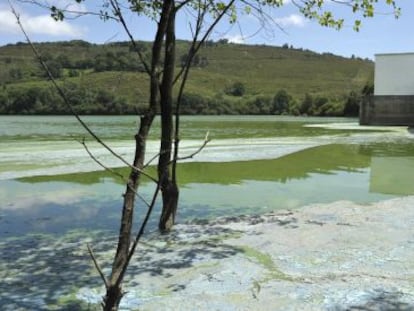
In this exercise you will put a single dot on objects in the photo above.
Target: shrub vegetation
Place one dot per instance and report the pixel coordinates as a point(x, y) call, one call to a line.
point(226, 79)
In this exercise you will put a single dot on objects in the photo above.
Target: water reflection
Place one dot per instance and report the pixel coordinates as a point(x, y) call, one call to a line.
point(299, 165)
point(392, 175)
point(360, 173)
point(58, 207)
point(326, 159)
point(45, 221)
point(49, 145)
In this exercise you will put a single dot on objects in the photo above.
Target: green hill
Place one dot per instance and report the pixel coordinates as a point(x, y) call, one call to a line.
point(226, 78)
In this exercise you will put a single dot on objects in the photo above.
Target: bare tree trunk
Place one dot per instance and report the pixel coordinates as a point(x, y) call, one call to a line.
point(114, 291)
point(169, 187)
point(170, 196)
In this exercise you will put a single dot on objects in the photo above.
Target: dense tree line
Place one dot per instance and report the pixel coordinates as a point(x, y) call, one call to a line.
point(43, 101)
point(281, 103)
point(106, 61)
point(36, 100)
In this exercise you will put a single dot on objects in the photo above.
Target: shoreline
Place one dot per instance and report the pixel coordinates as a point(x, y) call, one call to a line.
point(337, 256)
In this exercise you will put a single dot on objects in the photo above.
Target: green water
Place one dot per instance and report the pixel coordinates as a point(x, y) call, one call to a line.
point(253, 165)
point(53, 198)
point(56, 128)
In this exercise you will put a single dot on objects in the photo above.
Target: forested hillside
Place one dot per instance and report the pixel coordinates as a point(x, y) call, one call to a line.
point(226, 79)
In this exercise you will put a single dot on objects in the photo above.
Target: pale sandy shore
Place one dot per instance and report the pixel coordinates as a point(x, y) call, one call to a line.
point(338, 256)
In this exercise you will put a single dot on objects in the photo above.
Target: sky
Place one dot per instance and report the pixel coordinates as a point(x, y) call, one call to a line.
point(381, 34)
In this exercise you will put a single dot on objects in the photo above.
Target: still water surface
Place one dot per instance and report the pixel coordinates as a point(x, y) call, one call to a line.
point(255, 164)
point(54, 199)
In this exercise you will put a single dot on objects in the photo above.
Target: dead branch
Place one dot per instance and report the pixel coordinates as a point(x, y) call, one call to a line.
point(192, 155)
point(98, 268)
point(106, 168)
point(92, 156)
point(153, 159)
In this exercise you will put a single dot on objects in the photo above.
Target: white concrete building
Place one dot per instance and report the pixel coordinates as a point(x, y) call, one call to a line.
point(393, 100)
point(394, 74)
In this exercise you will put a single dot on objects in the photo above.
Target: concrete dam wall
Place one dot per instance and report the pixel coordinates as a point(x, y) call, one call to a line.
point(387, 110)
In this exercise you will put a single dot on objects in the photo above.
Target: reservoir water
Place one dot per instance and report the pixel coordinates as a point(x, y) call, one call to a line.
point(52, 193)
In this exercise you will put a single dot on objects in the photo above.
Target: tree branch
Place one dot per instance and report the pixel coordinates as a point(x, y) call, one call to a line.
point(98, 268)
point(67, 101)
point(185, 71)
point(153, 158)
point(182, 4)
point(139, 234)
point(118, 12)
point(192, 155)
point(112, 171)
point(66, 10)
point(262, 16)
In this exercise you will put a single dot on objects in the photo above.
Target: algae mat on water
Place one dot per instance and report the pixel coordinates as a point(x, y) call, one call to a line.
point(338, 256)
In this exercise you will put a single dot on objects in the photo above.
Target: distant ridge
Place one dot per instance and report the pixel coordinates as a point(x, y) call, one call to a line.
point(262, 70)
